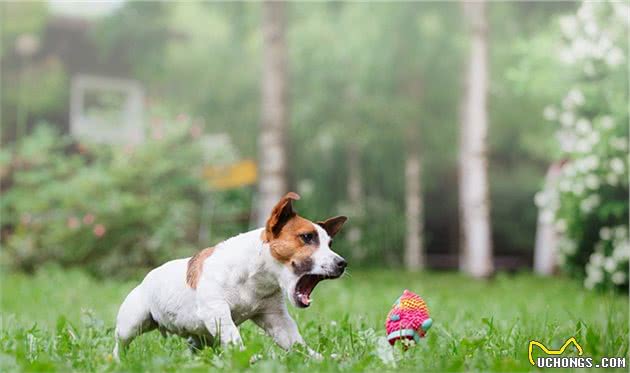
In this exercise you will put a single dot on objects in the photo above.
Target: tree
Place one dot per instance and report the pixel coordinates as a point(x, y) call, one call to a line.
point(476, 243)
point(272, 184)
point(414, 203)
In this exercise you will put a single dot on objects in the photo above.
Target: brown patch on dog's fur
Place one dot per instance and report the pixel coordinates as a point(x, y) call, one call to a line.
point(280, 215)
point(195, 266)
point(282, 232)
point(288, 246)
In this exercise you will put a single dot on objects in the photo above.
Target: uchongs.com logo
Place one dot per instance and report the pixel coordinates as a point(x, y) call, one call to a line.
point(554, 360)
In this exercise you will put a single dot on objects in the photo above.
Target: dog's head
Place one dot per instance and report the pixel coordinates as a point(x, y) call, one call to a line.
point(302, 247)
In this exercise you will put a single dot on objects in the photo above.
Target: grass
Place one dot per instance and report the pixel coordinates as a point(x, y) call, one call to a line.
point(63, 321)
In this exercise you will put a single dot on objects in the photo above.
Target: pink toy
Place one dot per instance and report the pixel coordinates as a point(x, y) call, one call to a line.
point(408, 319)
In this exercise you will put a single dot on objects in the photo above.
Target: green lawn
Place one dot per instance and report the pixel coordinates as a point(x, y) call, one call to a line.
point(62, 321)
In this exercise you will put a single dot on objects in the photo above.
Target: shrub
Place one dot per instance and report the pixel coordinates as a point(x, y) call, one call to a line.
point(589, 202)
point(110, 209)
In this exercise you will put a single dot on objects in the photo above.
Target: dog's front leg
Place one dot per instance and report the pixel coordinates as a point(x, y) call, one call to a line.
point(216, 316)
point(280, 326)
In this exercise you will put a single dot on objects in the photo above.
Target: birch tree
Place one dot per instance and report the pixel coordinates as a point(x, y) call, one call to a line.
point(272, 168)
point(476, 243)
point(414, 204)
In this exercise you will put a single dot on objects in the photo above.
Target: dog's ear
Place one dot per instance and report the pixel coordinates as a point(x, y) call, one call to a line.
point(281, 214)
point(333, 225)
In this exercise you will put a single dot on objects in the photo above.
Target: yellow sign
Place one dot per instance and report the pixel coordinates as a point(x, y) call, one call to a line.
point(553, 352)
point(231, 176)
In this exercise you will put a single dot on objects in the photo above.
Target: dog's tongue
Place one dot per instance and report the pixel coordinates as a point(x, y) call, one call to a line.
point(305, 299)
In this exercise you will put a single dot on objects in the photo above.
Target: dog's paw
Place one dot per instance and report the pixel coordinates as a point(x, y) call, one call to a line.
point(315, 355)
point(232, 339)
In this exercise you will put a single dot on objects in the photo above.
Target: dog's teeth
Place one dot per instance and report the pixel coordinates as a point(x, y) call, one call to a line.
point(305, 299)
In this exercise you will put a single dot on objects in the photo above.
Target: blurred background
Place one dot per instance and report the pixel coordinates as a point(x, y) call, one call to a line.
point(474, 137)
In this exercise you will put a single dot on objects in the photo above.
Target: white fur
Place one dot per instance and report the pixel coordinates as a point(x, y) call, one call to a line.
point(240, 280)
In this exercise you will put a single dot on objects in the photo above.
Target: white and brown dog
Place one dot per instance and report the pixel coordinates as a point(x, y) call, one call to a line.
point(245, 277)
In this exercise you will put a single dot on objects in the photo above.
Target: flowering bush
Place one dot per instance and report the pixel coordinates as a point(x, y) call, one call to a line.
point(110, 209)
point(589, 200)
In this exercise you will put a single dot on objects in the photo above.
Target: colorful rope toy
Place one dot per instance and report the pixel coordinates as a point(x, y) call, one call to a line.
point(408, 319)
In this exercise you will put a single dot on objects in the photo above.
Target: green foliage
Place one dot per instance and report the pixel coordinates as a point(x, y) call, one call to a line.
point(590, 198)
point(384, 76)
point(74, 332)
point(108, 209)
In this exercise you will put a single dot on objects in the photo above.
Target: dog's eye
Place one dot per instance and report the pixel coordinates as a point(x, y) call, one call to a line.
point(330, 244)
point(307, 237)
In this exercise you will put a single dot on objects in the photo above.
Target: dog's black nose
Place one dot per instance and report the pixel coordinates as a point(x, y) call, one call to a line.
point(341, 263)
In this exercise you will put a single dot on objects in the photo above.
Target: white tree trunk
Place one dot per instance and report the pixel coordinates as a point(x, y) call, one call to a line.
point(355, 197)
point(476, 243)
point(414, 243)
point(546, 234)
point(272, 168)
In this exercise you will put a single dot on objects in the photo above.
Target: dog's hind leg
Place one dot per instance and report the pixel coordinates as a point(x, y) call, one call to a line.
point(134, 318)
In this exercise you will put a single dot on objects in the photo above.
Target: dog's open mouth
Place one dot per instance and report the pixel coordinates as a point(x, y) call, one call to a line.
point(305, 286)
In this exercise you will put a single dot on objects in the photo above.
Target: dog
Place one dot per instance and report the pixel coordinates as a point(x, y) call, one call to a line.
point(247, 277)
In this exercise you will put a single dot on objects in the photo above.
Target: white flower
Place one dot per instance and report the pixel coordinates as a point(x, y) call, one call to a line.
point(577, 188)
point(582, 165)
point(617, 166)
point(621, 250)
point(604, 43)
point(581, 48)
point(566, 139)
point(569, 170)
point(612, 179)
point(614, 57)
point(568, 25)
point(621, 232)
point(561, 225)
point(566, 55)
point(592, 181)
point(593, 138)
point(585, 12)
point(607, 122)
point(591, 162)
point(605, 233)
point(610, 265)
point(621, 11)
point(597, 275)
point(596, 259)
point(589, 203)
point(577, 97)
point(590, 28)
point(550, 113)
point(564, 185)
point(589, 283)
point(618, 278)
point(583, 146)
point(583, 126)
